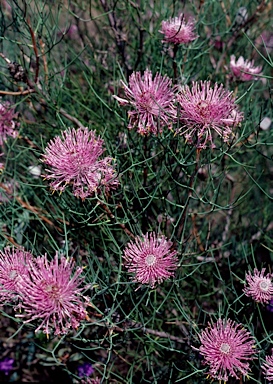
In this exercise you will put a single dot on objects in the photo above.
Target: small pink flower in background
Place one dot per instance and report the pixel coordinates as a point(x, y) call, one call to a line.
point(14, 267)
point(74, 159)
point(153, 101)
point(178, 31)
point(267, 368)
point(7, 123)
point(226, 346)
point(259, 286)
point(52, 295)
point(205, 110)
point(150, 258)
point(244, 70)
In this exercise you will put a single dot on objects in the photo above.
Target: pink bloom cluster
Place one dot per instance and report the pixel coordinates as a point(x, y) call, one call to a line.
point(267, 368)
point(48, 292)
point(259, 286)
point(153, 101)
point(244, 70)
point(178, 31)
point(7, 123)
point(226, 348)
point(150, 258)
point(14, 268)
point(204, 110)
point(74, 159)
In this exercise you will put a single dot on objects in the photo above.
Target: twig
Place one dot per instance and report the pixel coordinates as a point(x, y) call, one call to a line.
point(18, 93)
point(175, 49)
point(33, 89)
point(112, 217)
point(71, 118)
point(42, 45)
point(150, 331)
point(196, 234)
point(235, 34)
point(183, 218)
point(35, 51)
point(120, 41)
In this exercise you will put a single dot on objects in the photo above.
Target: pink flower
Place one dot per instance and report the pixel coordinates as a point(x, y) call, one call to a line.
point(259, 286)
point(7, 123)
point(178, 31)
point(226, 347)
point(153, 102)
point(74, 159)
point(205, 110)
point(14, 267)
point(52, 296)
point(244, 70)
point(267, 368)
point(150, 258)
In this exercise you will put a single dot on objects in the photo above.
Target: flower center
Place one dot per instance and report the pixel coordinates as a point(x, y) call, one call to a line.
point(203, 109)
point(53, 292)
point(148, 103)
point(150, 260)
point(264, 285)
point(225, 348)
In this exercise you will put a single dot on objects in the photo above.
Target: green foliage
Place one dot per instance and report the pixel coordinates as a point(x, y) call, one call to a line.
point(216, 209)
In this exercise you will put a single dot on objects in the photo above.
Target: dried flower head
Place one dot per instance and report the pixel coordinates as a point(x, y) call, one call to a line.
point(244, 70)
point(52, 295)
point(7, 123)
point(74, 159)
point(14, 267)
point(178, 31)
point(267, 368)
point(8, 190)
point(205, 110)
point(259, 286)
point(150, 258)
point(226, 347)
point(153, 102)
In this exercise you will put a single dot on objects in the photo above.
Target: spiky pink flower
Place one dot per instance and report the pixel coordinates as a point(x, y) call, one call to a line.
point(244, 70)
point(259, 286)
point(205, 110)
point(153, 101)
point(267, 368)
point(74, 159)
point(14, 267)
point(150, 258)
point(53, 296)
point(178, 31)
point(226, 347)
point(8, 124)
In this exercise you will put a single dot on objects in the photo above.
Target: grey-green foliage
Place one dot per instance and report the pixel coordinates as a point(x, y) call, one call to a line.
point(216, 212)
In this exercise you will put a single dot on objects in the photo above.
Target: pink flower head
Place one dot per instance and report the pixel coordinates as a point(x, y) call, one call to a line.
point(178, 31)
point(267, 368)
point(259, 286)
point(153, 102)
point(150, 258)
point(7, 123)
point(52, 296)
point(74, 159)
point(204, 110)
point(14, 267)
point(226, 347)
point(244, 70)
